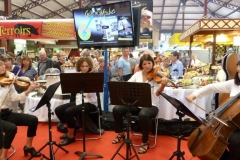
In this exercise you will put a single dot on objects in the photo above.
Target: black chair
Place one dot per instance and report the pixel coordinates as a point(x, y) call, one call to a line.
point(135, 118)
point(98, 112)
point(14, 150)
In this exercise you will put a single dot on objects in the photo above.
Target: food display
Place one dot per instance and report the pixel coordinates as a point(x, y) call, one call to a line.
point(67, 64)
point(191, 74)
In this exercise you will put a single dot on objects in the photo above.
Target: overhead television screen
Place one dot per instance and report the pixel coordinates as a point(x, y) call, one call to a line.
point(106, 25)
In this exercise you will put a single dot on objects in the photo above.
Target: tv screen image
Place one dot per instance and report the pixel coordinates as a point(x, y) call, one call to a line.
point(108, 25)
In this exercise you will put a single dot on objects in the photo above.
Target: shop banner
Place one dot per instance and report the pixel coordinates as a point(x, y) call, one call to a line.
point(37, 29)
point(146, 26)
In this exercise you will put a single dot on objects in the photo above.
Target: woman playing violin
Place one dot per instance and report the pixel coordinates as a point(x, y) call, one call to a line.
point(233, 87)
point(11, 119)
point(144, 114)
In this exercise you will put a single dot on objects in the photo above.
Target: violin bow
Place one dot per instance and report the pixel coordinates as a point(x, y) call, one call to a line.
point(14, 78)
point(221, 121)
point(96, 67)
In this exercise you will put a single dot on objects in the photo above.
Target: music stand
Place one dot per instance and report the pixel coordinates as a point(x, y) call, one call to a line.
point(47, 96)
point(82, 83)
point(182, 110)
point(129, 94)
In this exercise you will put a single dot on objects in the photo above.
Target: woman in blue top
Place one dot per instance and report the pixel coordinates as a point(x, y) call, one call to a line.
point(27, 69)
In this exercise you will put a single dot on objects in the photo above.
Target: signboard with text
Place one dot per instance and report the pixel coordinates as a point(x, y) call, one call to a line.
point(37, 29)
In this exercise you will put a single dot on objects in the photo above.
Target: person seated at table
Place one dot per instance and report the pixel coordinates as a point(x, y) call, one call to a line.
point(144, 114)
point(27, 68)
point(195, 61)
point(67, 113)
point(11, 119)
point(231, 86)
point(165, 65)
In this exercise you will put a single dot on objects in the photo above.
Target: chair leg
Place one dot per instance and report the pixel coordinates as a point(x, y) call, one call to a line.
point(152, 136)
point(14, 150)
point(100, 133)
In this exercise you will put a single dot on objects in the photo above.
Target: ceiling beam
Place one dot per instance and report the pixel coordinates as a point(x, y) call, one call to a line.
point(61, 10)
point(74, 5)
point(238, 9)
point(177, 6)
point(175, 18)
point(19, 15)
point(63, 6)
point(160, 24)
point(51, 10)
point(176, 15)
point(221, 3)
point(27, 7)
point(215, 15)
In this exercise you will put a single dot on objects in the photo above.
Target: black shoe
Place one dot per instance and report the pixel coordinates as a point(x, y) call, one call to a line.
point(67, 141)
point(32, 151)
point(62, 128)
point(64, 136)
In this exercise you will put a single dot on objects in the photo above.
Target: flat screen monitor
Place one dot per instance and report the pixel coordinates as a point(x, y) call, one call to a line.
point(108, 25)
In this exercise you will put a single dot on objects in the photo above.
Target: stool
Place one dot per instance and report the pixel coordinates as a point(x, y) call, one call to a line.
point(151, 136)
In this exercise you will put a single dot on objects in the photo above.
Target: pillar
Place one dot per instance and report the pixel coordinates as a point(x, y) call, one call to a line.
point(156, 37)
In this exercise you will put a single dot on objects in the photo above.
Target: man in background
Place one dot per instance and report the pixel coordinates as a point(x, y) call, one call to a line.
point(85, 53)
point(44, 63)
point(124, 70)
point(176, 69)
point(61, 56)
point(114, 69)
point(132, 62)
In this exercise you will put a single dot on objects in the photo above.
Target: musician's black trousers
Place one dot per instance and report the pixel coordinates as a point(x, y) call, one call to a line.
point(144, 116)
point(234, 145)
point(10, 121)
point(68, 112)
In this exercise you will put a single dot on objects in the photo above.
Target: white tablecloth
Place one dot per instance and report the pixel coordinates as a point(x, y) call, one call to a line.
point(167, 111)
point(42, 113)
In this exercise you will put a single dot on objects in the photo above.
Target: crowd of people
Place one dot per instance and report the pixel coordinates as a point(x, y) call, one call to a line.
point(125, 67)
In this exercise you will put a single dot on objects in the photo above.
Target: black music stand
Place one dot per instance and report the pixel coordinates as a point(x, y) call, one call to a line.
point(182, 110)
point(129, 94)
point(82, 83)
point(46, 100)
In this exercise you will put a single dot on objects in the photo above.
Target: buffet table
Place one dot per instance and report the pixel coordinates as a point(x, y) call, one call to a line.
point(168, 112)
point(42, 113)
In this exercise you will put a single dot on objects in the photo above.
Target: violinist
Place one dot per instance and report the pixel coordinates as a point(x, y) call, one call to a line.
point(68, 112)
point(11, 119)
point(233, 87)
point(144, 114)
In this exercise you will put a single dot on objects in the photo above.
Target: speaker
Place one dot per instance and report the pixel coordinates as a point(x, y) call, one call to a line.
point(136, 10)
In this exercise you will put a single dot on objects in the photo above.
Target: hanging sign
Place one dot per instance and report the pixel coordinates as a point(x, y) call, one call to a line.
point(37, 29)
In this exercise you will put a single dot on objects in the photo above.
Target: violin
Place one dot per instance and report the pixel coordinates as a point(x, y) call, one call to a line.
point(157, 74)
point(22, 82)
